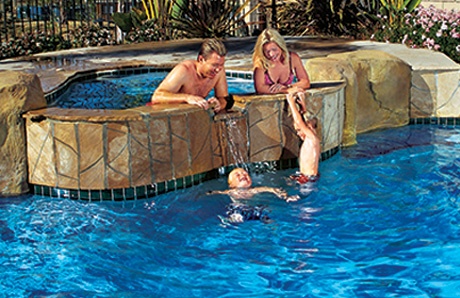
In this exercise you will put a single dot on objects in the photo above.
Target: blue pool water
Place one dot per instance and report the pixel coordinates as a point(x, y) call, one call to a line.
point(122, 92)
point(382, 221)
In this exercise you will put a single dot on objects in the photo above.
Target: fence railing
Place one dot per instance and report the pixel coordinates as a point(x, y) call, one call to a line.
point(60, 17)
point(28, 16)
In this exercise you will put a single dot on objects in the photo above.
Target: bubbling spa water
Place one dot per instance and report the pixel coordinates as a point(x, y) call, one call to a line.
point(383, 220)
point(125, 91)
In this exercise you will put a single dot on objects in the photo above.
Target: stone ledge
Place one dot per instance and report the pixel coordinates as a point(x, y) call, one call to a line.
point(126, 149)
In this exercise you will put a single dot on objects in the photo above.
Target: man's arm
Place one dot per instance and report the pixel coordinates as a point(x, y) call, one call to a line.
point(303, 81)
point(169, 89)
point(221, 100)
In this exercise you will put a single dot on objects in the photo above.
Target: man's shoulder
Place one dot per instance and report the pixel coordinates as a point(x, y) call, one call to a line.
point(188, 64)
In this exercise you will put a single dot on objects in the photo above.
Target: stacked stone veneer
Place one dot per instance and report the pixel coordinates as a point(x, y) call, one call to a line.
point(113, 149)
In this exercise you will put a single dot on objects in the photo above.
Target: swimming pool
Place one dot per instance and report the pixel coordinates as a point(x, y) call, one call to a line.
point(114, 91)
point(383, 220)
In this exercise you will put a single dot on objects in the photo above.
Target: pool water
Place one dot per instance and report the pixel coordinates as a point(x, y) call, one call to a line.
point(122, 92)
point(382, 221)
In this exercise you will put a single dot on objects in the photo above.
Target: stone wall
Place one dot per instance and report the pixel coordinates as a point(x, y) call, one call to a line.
point(443, 4)
point(378, 89)
point(435, 93)
point(98, 150)
point(114, 149)
point(19, 92)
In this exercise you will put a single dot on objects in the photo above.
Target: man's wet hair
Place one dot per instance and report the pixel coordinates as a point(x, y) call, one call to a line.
point(210, 46)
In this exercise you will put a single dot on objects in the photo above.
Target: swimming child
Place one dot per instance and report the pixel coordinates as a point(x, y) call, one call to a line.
point(240, 187)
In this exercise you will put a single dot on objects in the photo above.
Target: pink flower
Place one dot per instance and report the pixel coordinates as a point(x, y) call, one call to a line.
point(404, 39)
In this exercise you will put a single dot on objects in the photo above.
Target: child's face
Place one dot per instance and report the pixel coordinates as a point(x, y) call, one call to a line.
point(239, 178)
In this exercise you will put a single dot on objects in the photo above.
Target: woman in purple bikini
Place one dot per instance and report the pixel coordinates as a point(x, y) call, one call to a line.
point(275, 69)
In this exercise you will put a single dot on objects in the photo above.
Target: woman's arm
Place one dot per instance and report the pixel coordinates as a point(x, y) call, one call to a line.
point(303, 81)
point(259, 82)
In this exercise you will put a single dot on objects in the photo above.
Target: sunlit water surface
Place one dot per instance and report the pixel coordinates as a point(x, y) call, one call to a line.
point(126, 91)
point(383, 220)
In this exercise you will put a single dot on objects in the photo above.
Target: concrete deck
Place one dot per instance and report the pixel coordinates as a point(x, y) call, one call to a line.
point(54, 68)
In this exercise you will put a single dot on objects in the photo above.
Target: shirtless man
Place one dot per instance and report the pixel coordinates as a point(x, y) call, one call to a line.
point(192, 80)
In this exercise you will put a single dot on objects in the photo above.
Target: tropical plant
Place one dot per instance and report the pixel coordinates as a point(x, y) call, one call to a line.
point(332, 17)
point(299, 10)
point(126, 21)
point(212, 18)
point(396, 9)
point(154, 13)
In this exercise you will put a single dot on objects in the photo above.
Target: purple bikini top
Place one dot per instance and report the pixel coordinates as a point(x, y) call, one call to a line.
point(269, 81)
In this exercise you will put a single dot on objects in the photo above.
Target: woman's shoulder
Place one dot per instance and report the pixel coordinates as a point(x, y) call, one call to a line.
point(294, 55)
point(259, 69)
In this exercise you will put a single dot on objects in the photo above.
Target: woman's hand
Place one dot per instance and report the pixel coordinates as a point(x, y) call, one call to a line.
point(277, 88)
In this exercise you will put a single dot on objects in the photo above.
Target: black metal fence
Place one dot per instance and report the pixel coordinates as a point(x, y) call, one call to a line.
point(59, 17)
point(56, 17)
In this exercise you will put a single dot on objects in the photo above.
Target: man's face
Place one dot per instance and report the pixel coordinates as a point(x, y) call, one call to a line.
point(212, 65)
point(239, 178)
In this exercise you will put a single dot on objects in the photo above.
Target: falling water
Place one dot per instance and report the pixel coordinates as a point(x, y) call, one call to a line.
point(236, 144)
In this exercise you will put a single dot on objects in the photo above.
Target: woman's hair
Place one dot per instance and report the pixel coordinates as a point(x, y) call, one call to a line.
point(268, 35)
point(210, 46)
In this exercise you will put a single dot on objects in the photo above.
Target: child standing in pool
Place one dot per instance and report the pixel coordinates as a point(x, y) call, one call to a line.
point(274, 71)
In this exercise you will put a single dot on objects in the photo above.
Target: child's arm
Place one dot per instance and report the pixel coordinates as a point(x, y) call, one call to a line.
point(280, 193)
point(218, 192)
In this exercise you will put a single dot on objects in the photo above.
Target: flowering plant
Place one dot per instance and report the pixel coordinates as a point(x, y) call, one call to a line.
point(431, 28)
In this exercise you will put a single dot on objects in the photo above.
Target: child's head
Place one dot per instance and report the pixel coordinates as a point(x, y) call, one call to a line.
point(239, 178)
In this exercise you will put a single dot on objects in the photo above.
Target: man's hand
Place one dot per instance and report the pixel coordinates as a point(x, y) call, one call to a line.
point(216, 104)
point(198, 101)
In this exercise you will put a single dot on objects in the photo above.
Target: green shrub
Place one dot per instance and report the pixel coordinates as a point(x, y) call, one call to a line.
point(33, 43)
point(91, 36)
point(150, 30)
